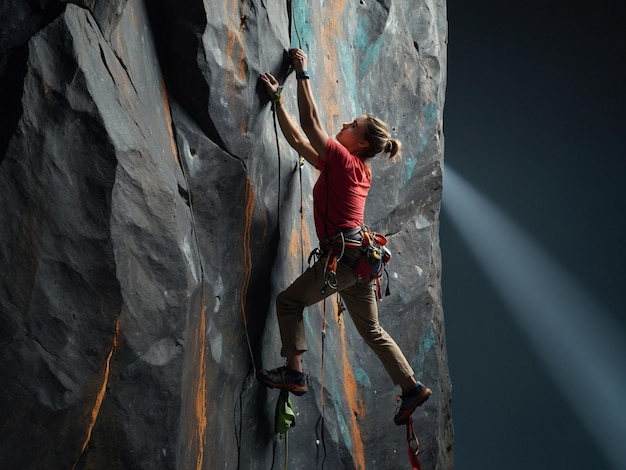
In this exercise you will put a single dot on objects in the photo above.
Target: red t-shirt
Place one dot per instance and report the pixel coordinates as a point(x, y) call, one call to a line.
point(349, 181)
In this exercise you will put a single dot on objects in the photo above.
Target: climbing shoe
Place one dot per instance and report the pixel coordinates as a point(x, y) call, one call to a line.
point(285, 379)
point(410, 400)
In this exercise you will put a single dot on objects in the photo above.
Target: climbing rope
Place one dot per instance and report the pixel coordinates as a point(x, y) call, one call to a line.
point(294, 23)
point(323, 398)
point(284, 413)
point(300, 165)
point(279, 161)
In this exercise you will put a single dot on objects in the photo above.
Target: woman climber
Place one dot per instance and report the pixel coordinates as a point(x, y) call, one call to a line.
point(339, 203)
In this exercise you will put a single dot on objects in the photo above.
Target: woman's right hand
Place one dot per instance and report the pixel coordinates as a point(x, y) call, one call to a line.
point(271, 84)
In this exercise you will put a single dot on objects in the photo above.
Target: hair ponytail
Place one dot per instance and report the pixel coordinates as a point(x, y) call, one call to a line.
point(379, 138)
point(392, 147)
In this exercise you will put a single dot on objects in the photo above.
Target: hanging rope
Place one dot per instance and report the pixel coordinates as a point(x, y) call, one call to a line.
point(278, 163)
point(320, 424)
point(300, 165)
point(294, 23)
point(328, 257)
point(248, 267)
point(323, 398)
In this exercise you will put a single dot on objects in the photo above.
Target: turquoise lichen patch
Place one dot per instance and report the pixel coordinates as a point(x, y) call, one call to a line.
point(301, 24)
point(429, 115)
point(428, 343)
point(363, 41)
point(347, 70)
point(361, 376)
point(426, 125)
point(409, 166)
point(341, 420)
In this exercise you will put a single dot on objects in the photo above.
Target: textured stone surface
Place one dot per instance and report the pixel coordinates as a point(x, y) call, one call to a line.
point(150, 216)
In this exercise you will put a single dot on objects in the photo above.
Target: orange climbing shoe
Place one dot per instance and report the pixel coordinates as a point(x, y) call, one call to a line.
point(285, 378)
point(410, 400)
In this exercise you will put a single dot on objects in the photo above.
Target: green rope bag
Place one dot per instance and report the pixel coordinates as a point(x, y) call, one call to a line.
point(285, 417)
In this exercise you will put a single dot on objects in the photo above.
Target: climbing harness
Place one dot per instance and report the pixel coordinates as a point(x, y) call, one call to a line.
point(333, 250)
point(370, 263)
point(413, 445)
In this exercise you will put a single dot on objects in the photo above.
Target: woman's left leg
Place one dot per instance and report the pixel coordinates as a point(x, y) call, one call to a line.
point(360, 301)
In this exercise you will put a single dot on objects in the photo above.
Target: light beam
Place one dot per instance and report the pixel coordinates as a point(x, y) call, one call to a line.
point(579, 344)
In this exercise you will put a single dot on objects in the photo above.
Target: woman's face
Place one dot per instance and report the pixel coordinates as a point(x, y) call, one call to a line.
point(352, 133)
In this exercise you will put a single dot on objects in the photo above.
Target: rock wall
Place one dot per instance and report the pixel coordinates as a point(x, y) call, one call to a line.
point(150, 216)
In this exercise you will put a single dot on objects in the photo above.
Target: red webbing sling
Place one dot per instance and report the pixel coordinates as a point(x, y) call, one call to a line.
point(414, 445)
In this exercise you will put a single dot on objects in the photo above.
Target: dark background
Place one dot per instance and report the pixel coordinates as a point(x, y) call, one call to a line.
point(535, 120)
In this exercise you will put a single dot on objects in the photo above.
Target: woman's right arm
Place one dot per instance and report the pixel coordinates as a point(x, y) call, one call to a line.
point(288, 126)
point(309, 115)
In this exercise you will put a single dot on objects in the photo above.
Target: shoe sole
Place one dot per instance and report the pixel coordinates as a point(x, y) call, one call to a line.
point(401, 419)
point(297, 390)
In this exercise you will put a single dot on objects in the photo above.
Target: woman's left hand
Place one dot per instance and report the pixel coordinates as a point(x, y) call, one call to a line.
point(298, 58)
point(271, 84)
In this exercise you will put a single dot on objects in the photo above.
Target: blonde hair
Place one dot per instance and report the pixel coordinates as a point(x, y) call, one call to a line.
point(378, 136)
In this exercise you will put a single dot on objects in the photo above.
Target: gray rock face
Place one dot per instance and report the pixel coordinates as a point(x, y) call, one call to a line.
point(150, 216)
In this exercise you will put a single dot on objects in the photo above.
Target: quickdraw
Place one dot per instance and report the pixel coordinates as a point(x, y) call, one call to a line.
point(330, 271)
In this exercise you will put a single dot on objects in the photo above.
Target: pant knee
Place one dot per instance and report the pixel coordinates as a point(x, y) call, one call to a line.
point(285, 306)
point(374, 336)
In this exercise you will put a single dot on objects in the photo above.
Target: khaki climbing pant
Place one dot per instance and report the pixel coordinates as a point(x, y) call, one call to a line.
point(360, 301)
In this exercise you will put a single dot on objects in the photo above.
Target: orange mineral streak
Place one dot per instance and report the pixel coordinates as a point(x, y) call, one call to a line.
point(200, 393)
point(168, 116)
point(354, 403)
point(299, 242)
point(235, 44)
point(247, 257)
point(235, 52)
point(102, 392)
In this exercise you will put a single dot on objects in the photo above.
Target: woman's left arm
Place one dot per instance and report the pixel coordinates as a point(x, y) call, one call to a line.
point(287, 126)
